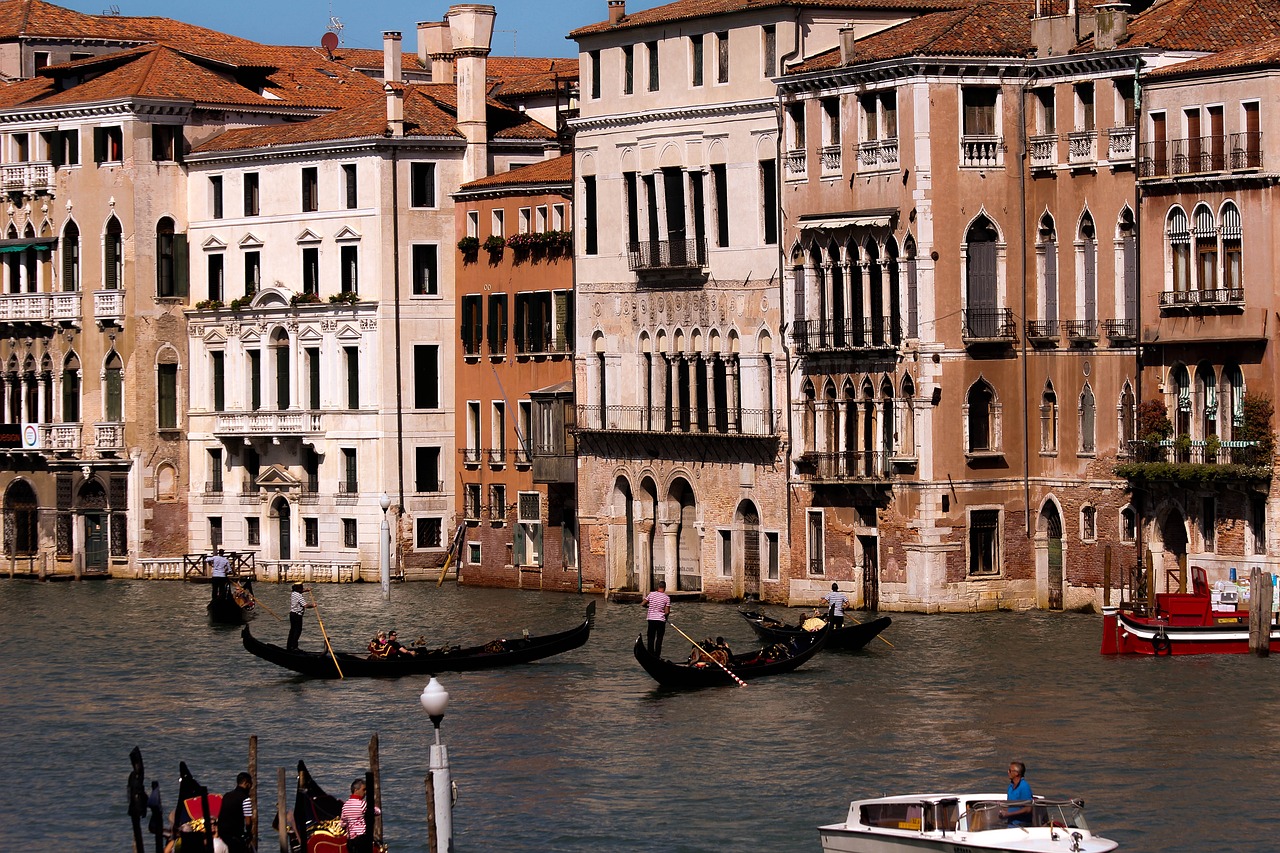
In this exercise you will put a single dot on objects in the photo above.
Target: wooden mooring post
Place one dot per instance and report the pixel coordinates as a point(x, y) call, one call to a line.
point(1260, 616)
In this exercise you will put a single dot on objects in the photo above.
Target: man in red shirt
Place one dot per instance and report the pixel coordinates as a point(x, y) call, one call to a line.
point(359, 835)
point(659, 608)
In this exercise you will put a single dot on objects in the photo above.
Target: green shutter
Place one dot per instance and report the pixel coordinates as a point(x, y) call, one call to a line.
point(181, 274)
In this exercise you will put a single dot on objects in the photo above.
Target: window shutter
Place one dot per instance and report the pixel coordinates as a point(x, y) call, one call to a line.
point(180, 272)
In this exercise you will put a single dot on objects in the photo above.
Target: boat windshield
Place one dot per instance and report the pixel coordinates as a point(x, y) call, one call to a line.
point(982, 815)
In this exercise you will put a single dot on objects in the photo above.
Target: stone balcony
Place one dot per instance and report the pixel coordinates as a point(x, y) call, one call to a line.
point(267, 424)
point(28, 178)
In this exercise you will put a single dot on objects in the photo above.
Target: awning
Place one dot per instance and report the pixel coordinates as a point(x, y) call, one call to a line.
point(22, 245)
point(881, 218)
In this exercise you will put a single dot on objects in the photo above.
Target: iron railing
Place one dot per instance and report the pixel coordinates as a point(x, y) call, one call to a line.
point(990, 324)
point(849, 465)
point(667, 254)
point(1224, 296)
point(853, 334)
point(752, 423)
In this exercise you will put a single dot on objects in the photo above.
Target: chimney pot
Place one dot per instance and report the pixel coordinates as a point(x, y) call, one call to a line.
point(392, 67)
point(617, 10)
point(847, 48)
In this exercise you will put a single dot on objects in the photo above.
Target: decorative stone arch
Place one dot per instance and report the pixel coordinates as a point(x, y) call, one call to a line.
point(1050, 554)
point(650, 539)
point(745, 549)
point(982, 418)
point(682, 536)
point(1168, 539)
point(622, 533)
point(906, 422)
point(21, 519)
point(166, 482)
point(982, 255)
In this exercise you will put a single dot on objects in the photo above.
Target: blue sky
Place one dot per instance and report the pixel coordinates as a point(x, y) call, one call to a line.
point(523, 27)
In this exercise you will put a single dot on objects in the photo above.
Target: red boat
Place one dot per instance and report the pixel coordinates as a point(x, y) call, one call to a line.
point(1183, 623)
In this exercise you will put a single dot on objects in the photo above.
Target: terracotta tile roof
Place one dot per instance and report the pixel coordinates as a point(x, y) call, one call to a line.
point(429, 111)
point(1205, 25)
point(14, 95)
point(683, 10)
point(151, 72)
point(360, 57)
point(558, 170)
point(34, 18)
point(1264, 55)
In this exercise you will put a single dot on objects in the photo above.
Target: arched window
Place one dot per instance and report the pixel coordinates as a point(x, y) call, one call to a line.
point(113, 256)
point(1178, 235)
point(1181, 381)
point(1232, 253)
point(1128, 417)
point(981, 296)
point(113, 387)
point(809, 418)
point(70, 257)
point(1128, 524)
point(1206, 236)
point(1048, 420)
point(1089, 274)
point(913, 295)
point(1088, 421)
point(1233, 405)
point(894, 288)
point(1128, 266)
point(878, 334)
point(907, 430)
point(71, 389)
point(1048, 251)
point(887, 427)
point(1207, 400)
point(980, 417)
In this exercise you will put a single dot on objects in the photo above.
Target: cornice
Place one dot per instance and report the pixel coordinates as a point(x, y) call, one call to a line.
point(299, 150)
point(673, 114)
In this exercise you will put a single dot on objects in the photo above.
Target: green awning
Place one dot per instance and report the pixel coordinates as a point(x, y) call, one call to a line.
point(22, 245)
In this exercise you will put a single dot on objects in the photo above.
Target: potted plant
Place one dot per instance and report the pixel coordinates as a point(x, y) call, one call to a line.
point(346, 297)
point(304, 299)
point(494, 244)
point(469, 245)
point(208, 304)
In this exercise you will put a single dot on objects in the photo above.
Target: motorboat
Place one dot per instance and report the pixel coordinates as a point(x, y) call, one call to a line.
point(956, 823)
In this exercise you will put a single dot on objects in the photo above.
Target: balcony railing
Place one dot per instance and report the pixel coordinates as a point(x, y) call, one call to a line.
point(546, 346)
point(1219, 297)
point(1082, 147)
point(667, 254)
point(866, 333)
point(267, 423)
point(251, 492)
point(1081, 331)
point(497, 456)
point(1042, 330)
point(1198, 155)
point(795, 163)
point(878, 154)
point(1120, 144)
point(1044, 151)
point(989, 325)
point(754, 423)
point(471, 455)
point(27, 177)
point(25, 307)
point(348, 491)
point(1121, 330)
point(981, 152)
point(108, 438)
point(1198, 453)
point(64, 438)
point(850, 465)
point(108, 306)
point(310, 493)
point(561, 468)
point(830, 159)
point(65, 308)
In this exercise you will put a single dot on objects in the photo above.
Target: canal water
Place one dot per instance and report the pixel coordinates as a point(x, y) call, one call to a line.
point(582, 753)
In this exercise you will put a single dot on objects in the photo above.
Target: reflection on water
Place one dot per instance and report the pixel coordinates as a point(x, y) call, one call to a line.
point(582, 753)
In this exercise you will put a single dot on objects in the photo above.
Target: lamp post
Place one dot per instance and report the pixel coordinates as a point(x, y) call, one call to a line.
point(434, 699)
point(384, 563)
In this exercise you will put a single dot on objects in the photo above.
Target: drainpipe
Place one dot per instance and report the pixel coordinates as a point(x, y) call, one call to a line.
point(1022, 213)
point(1137, 319)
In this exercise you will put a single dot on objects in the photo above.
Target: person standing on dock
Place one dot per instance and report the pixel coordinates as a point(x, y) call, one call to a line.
point(297, 606)
point(1017, 810)
point(836, 601)
point(659, 604)
point(236, 814)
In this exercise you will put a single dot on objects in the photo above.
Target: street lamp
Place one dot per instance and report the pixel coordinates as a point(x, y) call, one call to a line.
point(434, 699)
point(384, 501)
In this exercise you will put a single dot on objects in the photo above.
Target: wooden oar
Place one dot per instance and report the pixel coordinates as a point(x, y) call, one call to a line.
point(262, 604)
point(316, 608)
point(741, 683)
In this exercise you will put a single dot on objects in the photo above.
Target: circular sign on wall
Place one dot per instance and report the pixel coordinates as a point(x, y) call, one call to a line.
point(30, 436)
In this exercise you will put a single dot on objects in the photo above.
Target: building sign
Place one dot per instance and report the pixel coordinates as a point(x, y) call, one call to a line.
point(30, 437)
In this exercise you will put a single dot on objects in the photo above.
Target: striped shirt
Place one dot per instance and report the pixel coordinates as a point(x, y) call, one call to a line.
point(297, 604)
point(659, 603)
point(353, 817)
point(837, 602)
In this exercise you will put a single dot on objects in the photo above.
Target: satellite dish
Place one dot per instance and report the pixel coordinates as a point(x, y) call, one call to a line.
point(329, 41)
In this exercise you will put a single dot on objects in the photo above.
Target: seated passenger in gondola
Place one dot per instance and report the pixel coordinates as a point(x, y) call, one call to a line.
point(379, 647)
point(396, 647)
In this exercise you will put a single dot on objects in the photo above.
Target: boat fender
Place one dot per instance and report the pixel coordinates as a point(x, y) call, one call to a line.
point(1160, 645)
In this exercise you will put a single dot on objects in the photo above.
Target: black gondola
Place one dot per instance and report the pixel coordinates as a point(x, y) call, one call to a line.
point(232, 602)
point(771, 660)
point(497, 653)
point(190, 824)
point(849, 637)
point(316, 816)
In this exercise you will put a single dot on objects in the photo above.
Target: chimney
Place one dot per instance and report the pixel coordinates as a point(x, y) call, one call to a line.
point(395, 108)
point(617, 10)
point(391, 73)
point(847, 49)
point(435, 50)
point(471, 32)
point(1111, 25)
point(392, 70)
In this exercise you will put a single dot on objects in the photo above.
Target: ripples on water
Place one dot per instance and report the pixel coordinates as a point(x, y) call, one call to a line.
point(582, 753)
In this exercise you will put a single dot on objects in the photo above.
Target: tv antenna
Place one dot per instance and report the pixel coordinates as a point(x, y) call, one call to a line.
point(514, 52)
point(113, 11)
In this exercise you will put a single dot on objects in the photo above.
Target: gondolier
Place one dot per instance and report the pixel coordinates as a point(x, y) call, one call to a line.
point(659, 608)
point(297, 606)
point(836, 601)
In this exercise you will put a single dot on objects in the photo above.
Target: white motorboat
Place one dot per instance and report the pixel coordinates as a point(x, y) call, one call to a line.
point(960, 823)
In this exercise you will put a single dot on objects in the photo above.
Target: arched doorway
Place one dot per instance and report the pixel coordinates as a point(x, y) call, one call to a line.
point(1173, 536)
point(683, 517)
point(652, 562)
point(92, 503)
point(280, 511)
point(21, 515)
point(622, 538)
point(747, 520)
point(1051, 530)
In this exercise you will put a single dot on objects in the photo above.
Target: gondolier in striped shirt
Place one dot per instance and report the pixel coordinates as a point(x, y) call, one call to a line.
point(359, 839)
point(659, 604)
point(836, 601)
point(297, 606)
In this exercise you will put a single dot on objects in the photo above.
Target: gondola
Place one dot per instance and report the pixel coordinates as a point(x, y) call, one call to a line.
point(232, 603)
point(497, 653)
point(849, 637)
point(770, 660)
point(317, 817)
point(195, 802)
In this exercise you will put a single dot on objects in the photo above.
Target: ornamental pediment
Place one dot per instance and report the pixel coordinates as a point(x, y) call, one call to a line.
point(309, 236)
point(309, 335)
point(250, 241)
point(347, 234)
point(213, 244)
point(348, 333)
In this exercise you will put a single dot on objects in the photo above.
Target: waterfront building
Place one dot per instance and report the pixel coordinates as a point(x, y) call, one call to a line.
point(515, 380)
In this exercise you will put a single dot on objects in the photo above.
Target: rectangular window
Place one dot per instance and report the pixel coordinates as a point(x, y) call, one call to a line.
point(696, 58)
point(255, 379)
point(630, 186)
point(166, 143)
point(524, 220)
point(726, 553)
point(496, 331)
point(349, 185)
point(349, 533)
point(108, 145)
point(426, 469)
point(252, 272)
point(426, 376)
point(593, 59)
point(215, 471)
point(796, 127)
point(311, 270)
point(215, 532)
point(251, 194)
point(1258, 524)
point(471, 501)
point(497, 224)
point(1208, 523)
point(353, 376)
point(979, 111)
point(253, 532)
point(472, 331)
point(814, 543)
point(831, 121)
point(473, 223)
point(473, 551)
point(216, 260)
point(1084, 105)
point(984, 542)
point(1046, 110)
point(769, 199)
point(540, 218)
point(628, 69)
point(68, 142)
point(215, 196)
point(310, 532)
point(429, 533)
point(310, 189)
point(473, 431)
point(167, 395)
point(217, 367)
point(313, 377)
point(425, 265)
point(769, 50)
point(350, 259)
point(422, 184)
point(651, 49)
point(497, 503)
point(773, 555)
point(592, 246)
point(558, 222)
point(722, 57)
point(720, 186)
point(350, 481)
point(1124, 91)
